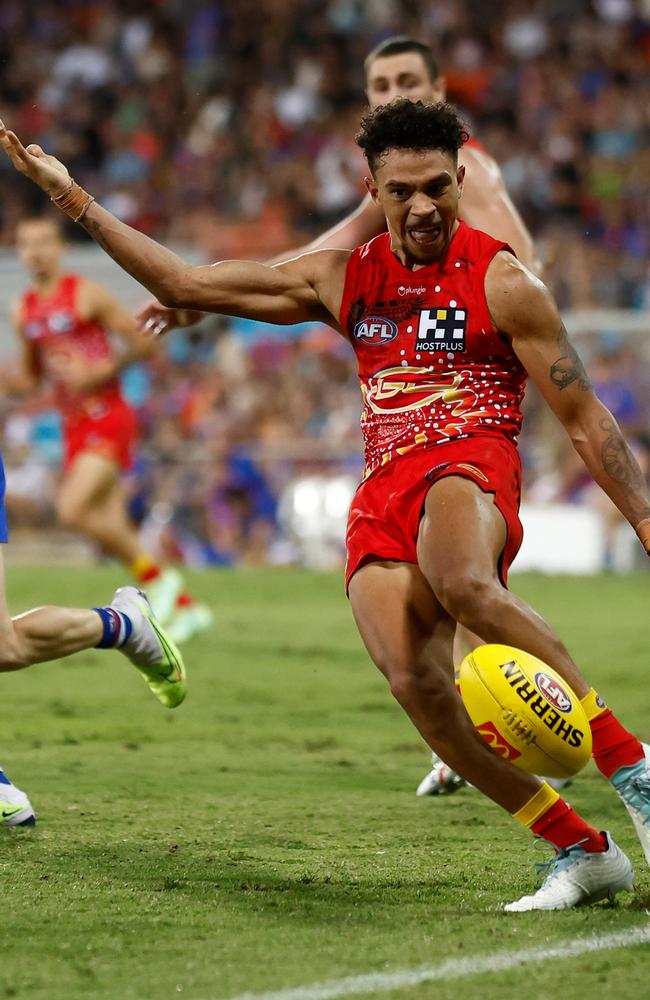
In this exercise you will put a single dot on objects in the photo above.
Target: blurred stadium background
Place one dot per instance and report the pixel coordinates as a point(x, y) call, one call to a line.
point(226, 129)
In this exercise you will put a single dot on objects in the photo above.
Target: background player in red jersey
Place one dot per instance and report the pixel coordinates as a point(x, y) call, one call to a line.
point(406, 67)
point(65, 323)
point(441, 415)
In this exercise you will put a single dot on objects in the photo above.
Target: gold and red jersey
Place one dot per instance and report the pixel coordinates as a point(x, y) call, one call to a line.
point(432, 367)
point(66, 343)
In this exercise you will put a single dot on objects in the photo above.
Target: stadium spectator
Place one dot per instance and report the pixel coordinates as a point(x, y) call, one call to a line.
point(159, 112)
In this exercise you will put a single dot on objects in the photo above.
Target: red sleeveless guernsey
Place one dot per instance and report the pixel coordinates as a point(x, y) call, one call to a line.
point(62, 337)
point(431, 365)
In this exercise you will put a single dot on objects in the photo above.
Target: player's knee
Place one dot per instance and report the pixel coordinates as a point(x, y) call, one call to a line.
point(412, 683)
point(468, 597)
point(70, 513)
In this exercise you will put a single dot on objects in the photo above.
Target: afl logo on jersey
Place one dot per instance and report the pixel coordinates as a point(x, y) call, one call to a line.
point(375, 330)
point(60, 322)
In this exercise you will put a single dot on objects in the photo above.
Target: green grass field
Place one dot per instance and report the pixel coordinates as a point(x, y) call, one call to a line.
point(266, 835)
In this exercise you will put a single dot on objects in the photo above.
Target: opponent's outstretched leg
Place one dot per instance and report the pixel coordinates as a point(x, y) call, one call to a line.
point(15, 807)
point(127, 624)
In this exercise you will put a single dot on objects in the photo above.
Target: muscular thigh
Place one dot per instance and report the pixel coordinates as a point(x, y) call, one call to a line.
point(462, 533)
point(404, 627)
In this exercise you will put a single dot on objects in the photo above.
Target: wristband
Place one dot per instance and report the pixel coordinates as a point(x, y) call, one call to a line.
point(643, 532)
point(74, 201)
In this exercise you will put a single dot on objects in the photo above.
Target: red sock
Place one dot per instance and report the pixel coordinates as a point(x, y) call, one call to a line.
point(613, 745)
point(562, 827)
point(151, 574)
point(144, 569)
point(548, 816)
point(184, 600)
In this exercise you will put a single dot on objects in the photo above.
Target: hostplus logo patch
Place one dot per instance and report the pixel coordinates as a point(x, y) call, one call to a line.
point(442, 329)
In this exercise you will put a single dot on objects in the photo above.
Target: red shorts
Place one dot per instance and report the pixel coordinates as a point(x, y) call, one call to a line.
point(111, 431)
point(385, 513)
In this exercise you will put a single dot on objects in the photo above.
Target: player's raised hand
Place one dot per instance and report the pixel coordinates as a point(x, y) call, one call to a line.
point(45, 170)
point(158, 320)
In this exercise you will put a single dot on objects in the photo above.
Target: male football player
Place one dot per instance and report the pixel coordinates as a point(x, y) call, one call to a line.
point(406, 67)
point(434, 525)
point(64, 323)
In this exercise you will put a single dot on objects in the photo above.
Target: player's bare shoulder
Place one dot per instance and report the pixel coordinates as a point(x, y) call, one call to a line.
point(325, 271)
point(480, 167)
point(517, 300)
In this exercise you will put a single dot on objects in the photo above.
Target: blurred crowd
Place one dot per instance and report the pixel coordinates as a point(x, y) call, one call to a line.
point(229, 125)
point(230, 415)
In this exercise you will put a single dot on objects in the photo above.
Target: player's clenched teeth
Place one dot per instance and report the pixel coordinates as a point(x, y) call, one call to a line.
point(425, 234)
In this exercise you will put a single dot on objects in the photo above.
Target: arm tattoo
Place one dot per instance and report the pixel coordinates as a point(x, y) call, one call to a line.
point(620, 465)
point(568, 368)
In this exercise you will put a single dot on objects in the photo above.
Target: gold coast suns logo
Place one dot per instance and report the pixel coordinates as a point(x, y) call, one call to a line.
point(402, 389)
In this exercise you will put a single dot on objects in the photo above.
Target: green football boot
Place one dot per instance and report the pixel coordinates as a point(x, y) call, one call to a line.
point(150, 649)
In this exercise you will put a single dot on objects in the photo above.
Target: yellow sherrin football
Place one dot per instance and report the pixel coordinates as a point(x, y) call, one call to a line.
point(525, 711)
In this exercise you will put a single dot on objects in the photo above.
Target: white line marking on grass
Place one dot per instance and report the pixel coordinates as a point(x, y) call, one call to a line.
point(454, 968)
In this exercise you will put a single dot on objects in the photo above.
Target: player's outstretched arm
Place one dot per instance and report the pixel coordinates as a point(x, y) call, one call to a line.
point(523, 308)
point(309, 288)
point(356, 228)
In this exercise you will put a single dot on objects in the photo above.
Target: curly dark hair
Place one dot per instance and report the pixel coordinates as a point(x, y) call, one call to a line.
point(405, 124)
